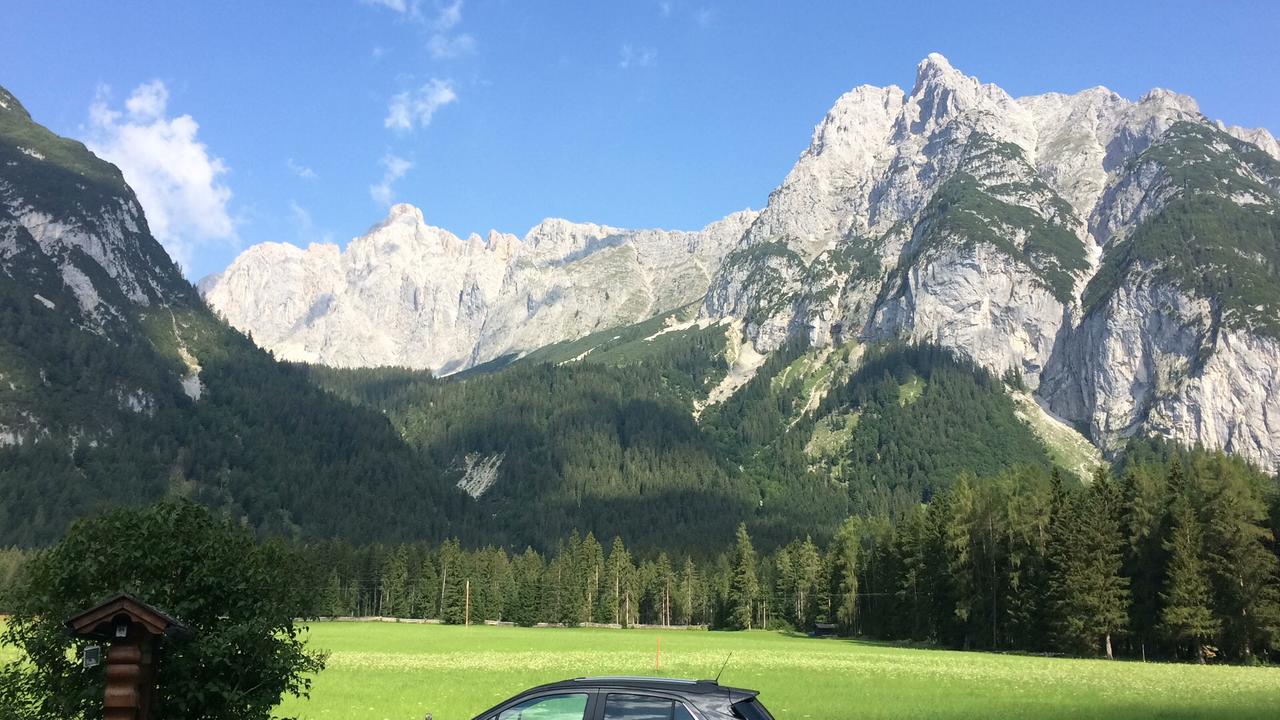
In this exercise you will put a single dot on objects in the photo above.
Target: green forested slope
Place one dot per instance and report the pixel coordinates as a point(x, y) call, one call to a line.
point(94, 323)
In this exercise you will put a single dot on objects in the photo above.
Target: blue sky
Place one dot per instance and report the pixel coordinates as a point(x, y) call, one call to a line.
point(254, 121)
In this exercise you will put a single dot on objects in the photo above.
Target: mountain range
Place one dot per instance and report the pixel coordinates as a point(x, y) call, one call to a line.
point(1117, 257)
point(949, 282)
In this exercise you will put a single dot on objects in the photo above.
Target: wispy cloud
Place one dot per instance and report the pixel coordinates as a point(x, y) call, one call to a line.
point(450, 15)
point(664, 9)
point(449, 46)
point(411, 108)
point(705, 16)
point(302, 171)
point(176, 178)
point(642, 57)
point(301, 218)
point(443, 42)
point(400, 6)
point(394, 168)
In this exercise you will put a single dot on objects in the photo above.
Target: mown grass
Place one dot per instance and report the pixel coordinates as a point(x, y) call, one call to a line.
point(393, 671)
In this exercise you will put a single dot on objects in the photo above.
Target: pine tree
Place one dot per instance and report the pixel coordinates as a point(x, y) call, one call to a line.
point(664, 588)
point(744, 588)
point(686, 606)
point(958, 558)
point(1062, 564)
point(786, 583)
point(331, 604)
point(526, 599)
point(913, 592)
point(1026, 544)
point(616, 593)
point(845, 564)
point(428, 588)
point(1187, 616)
point(593, 572)
point(453, 578)
point(1104, 590)
point(395, 584)
point(1244, 570)
point(1145, 511)
point(808, 576)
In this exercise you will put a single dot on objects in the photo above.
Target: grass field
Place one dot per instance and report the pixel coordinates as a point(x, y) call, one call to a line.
point(389, 671)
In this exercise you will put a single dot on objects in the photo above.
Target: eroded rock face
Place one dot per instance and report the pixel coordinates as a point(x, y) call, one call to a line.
point(980, 300)
point(957, 215)
point(413, 295)
point(1150, 360)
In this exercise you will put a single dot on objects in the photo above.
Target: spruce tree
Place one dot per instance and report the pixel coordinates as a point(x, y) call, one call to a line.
point(616, 592)
point(808, 576)
point(1187, 617)
point(744, 587)
point(331, 604)
point(526, 601)
point(913, 591)
point(687, 596)
point(593, 572)
point(1105, 590)
point(1240, 561)
point(1145, 512)
point(395, 584)
point(453, 577)
point(664, 588)
point(1062, 564)
point(845, 564)
point(958, 558)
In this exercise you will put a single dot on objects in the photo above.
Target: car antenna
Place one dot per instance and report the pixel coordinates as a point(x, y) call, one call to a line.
point(722, 667)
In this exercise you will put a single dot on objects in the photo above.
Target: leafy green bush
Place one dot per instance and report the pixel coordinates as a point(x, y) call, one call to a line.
point(237, 596)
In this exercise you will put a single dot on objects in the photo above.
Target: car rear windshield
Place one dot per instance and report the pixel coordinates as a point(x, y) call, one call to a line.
point(751, 710)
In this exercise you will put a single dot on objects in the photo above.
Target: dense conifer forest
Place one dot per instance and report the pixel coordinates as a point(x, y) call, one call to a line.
point(1174, 555)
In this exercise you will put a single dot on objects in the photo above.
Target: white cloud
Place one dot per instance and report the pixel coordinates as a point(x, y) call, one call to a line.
point(450, 15)
point(394, 168)
point(416, 108)
point(174, 175)
point(302, 171)
point(449, 46)
point(399, 6)
point(637, 57)
point(148, 100)
point(301, 218)
point(441, 43)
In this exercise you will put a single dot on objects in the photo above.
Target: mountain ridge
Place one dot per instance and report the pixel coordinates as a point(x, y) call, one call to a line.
point(951, 214)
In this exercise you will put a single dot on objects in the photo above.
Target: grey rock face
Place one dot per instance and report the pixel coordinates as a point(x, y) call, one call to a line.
point(413, 295)
point(868, 239)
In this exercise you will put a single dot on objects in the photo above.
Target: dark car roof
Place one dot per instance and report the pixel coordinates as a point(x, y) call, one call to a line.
point(676, 685)
point(706, 695)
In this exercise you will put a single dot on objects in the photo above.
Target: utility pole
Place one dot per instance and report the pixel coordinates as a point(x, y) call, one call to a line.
point(466, 613)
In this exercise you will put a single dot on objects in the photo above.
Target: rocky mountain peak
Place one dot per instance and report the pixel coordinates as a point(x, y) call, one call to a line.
point(406, 212)
point(1170, 101)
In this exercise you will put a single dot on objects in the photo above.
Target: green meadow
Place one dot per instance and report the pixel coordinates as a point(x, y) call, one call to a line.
point(390, 671)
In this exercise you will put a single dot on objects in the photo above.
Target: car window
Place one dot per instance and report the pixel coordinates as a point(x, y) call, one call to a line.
point(751, 710)
point(548, 707)
point(620, 706)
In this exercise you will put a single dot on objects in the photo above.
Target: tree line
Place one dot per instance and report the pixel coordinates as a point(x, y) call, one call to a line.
point(1174, 555)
